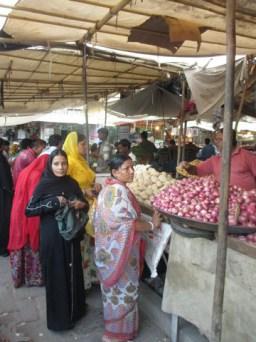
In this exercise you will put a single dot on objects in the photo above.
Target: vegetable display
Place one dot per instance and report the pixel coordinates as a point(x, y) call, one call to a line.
point(198, 199)
point(148, 182)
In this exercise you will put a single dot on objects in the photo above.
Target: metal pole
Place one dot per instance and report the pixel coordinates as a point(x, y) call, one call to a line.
point(106, 110)
point(225, 174)
point(86, 98)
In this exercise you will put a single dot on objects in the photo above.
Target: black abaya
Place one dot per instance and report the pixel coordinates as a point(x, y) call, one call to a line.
point(61, 259)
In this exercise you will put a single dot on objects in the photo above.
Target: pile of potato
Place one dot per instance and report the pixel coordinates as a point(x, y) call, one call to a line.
point(148, 182)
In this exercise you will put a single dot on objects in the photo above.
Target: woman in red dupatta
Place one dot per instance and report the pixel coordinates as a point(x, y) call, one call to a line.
point(118, 251)
point(24, 231)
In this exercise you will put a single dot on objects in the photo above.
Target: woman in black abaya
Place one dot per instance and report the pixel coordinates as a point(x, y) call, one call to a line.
point(6, 192)
point(61, 259)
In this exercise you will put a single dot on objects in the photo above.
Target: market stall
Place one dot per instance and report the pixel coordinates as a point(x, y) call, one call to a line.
point(189, 286)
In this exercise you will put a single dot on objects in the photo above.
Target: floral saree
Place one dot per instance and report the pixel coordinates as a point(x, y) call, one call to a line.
point(117, 256)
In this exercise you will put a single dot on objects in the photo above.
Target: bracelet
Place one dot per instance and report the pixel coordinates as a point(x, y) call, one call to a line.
point(152, 225)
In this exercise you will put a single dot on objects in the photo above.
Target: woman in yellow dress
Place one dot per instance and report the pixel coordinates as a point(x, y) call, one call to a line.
point(78, 168)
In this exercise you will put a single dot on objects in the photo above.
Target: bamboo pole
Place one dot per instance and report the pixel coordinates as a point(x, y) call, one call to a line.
point(241, 104)
point(179, 153)
point(99, 24)
point(106, 110)
point(217, 310)
point(133, 10)
point(86, 99)
point(98, 58)
point(184, 141)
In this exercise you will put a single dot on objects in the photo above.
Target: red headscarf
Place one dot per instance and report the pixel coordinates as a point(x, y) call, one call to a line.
point(25, 230)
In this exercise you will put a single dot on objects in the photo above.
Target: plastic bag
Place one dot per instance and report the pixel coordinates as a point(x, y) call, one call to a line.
point(156, 242)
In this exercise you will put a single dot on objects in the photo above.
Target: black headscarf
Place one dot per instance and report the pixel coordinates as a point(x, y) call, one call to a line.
point(51, 185)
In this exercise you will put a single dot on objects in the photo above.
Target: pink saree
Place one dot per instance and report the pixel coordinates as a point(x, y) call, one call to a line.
point(117, 257)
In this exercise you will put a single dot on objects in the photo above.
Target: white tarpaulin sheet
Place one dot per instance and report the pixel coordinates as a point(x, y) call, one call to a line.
point(208, 87)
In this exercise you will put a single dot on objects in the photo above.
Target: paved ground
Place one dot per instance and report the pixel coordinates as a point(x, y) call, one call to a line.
point(22, 316)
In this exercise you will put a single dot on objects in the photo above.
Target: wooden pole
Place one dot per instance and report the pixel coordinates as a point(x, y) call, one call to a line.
point(225, 174)
point(184, 140)
point(85, 84)
point(106, 110)
point(113, 11)
point(239, 112)
point(181, 122)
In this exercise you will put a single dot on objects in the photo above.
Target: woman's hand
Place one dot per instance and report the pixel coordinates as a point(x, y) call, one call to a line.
point(97, 187)
point(156, 219)
point(76, 204)
point(88, 193)
point(91, 193)
point(63, 201)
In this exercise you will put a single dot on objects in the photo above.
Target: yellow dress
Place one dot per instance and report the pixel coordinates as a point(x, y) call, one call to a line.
point(79, 169)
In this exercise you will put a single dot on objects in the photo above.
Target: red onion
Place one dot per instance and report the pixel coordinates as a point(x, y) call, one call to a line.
point(198, 199)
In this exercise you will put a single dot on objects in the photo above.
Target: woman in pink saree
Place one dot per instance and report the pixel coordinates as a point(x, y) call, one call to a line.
point(118, 251)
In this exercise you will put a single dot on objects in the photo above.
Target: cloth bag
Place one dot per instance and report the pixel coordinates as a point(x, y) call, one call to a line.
point(70, 221)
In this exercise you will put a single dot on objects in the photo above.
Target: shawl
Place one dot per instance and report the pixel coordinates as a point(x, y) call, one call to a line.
point(25, 230)
point(78, 168)
point(115, 235)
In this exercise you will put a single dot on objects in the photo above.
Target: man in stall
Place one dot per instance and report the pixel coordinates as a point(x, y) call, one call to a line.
point(243, 164)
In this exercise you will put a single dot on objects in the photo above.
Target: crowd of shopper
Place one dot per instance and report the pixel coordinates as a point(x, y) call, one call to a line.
point(45, 198)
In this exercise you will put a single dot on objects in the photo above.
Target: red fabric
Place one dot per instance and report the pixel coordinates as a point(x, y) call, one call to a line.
point(243, 168)
point(25, 230)
point(23, 160)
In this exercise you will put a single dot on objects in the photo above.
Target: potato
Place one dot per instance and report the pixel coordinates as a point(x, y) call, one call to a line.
point(144, 195)
point(154, 179)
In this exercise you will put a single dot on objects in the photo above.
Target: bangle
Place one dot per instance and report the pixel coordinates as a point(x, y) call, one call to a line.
point(152, 225)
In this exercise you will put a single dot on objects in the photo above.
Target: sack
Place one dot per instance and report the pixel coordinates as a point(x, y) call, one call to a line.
point(70, 221)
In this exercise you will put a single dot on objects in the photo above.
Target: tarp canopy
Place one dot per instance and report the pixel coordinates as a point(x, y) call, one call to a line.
point(72, 20)
point(36, 81)
point(208, 87)
point(42, 80)
point(153, 100)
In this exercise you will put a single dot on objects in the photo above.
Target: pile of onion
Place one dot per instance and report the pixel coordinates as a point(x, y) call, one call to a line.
point(198, 199)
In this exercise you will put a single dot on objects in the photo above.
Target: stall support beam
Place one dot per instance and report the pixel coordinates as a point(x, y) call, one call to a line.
point(106, 110)
point(175, 328)
point(225, 174)
point(85, 88)
point(184, 141)
point(179, 154)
